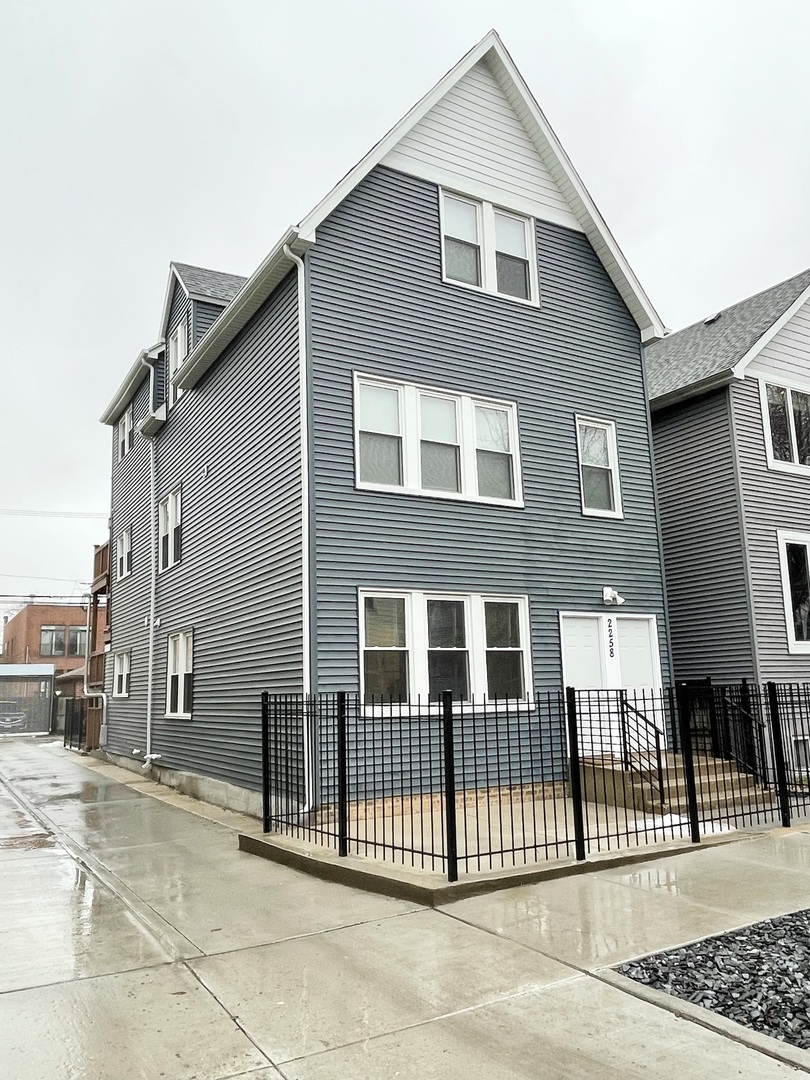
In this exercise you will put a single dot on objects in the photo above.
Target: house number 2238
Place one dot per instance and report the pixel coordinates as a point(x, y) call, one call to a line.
point(611, 639)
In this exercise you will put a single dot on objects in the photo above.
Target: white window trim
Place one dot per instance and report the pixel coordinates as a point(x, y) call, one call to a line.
point(174, 517)
point(125, 425)
point(410, 427)
point(780, 466)
point(123, 541)
point(118, 659)
point(794, 739)
point(177, 351)
point(181, 635)
point(610, 659)
point(416, 642)
point(485, 212)
point(783, 538)
point(613, 452)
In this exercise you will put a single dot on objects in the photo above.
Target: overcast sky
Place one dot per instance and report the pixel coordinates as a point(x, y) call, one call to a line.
point(133, 133)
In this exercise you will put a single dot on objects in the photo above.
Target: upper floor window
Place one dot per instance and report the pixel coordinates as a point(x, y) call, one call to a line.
point(788, 413)
point(123, 553)
point(488, 248)
point(178, 347)
point(77, 640)
point(180, 674)
point(170, 530)
point(598, 468)
point(794, 558)
point(125, 433)
point(419, 644)
point(433, 442)
point(121, 668)
point(52, 641)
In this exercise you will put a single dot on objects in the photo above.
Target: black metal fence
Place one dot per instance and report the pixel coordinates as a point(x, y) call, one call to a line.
point(463, 787)
point(75, 723)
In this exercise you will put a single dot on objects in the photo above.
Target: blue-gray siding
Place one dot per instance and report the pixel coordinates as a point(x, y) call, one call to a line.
point(702, 532)
point(203, 318)
point(232, 444)
point(378, 305)
point(773, 500)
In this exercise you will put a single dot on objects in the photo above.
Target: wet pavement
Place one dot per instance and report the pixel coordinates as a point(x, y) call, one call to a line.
point(138, 943)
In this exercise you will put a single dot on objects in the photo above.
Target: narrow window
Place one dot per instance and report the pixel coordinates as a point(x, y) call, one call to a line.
point(511, 259)
point(598, 467)
point(780, 423)
point(77, 637)
point(169, 531)
point(178, 345)
point(180, 679)
point(123, 553)
point(121, 666)
point(448, 658)
point(125, 433)
point(493, 453)
point(504, 652)
point(385, 656)
point(380, 442)
point(175, 525)
point(799, 584)
point(801, 424)
point(462, 247)
point(439, 449)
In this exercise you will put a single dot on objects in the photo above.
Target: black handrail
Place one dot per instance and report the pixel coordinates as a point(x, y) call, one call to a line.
point(626, 706)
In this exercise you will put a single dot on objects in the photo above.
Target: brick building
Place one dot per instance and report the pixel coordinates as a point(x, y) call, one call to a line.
point(46, 633)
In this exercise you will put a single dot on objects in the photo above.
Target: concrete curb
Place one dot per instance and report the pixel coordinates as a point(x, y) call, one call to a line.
point(685, 1010)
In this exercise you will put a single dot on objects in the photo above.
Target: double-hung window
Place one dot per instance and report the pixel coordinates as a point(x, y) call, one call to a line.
point(419, 645)
point(489, 248)
point(180, 674)
point(598, 468)
point(178, 346)
point(77, 640)
point(52, 641)
point(123, 553)
point(788, 423)
point(425, 441)
point(121, 666)
point(125, 433)
point(170, 530)
point(794, 559)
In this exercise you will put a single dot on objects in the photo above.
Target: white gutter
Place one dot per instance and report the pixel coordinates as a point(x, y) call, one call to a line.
point(303, 420)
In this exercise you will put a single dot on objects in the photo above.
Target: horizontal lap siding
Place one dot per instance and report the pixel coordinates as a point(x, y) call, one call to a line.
point(773, 500)
point(703, 540)
point(378, 305)
point(205, 315)
point(129, 597)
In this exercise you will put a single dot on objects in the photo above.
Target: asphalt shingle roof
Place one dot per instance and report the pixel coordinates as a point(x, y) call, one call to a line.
point(209, 283)
point(702, 350)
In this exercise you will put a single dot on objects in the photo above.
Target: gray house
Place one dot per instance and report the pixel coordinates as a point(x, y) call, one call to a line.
point(730, 400)
point(411, 452)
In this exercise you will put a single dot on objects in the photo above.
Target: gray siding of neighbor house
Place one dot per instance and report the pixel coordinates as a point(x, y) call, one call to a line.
point(232, 444)
point(129, 597)
point(378, 305)
point(773, 500)
point(204, 317)
point(704, 554)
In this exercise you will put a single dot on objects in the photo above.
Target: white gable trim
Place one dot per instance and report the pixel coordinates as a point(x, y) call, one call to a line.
point(740, 367)
point(548, 147)
point(173, 277)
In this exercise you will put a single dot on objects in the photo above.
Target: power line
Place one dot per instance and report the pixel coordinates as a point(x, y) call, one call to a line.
point(41, 577)
point(53, 514)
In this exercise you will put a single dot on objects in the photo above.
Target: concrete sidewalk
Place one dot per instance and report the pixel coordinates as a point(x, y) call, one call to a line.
point(137, 942)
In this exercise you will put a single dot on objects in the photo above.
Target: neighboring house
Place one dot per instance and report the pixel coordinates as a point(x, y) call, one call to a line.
point(730, 399)
point(46, 633)
point(412, 453)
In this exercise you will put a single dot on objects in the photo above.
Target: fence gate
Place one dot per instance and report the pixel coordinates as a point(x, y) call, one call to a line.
point(26, 703)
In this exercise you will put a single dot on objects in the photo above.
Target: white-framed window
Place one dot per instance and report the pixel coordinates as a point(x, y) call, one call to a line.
point(489, 248)
point(180, 674)
point(178, 347)
point(170, 530)
point(426, 441)
point(786, 419)
point(123, 553)
point(121, 667)
point(801, 753)
point(794, 562)
point(598, 452)
point(125, 433)
point(419, 644)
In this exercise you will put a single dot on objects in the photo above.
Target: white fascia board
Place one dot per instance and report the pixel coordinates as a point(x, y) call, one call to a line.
point(173, 276)
point(684, 393)
point(132, 380)
point(741, 365)
point(241, 309)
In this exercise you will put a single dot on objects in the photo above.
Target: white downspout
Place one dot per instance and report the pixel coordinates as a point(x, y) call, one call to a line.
point(149, 757)
point(303, 420)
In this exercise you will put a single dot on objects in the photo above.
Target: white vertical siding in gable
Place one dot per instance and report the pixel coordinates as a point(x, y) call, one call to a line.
point(474, 138)
point(787, 354)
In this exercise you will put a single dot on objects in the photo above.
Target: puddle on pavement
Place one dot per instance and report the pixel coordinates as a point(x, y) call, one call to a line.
point(27, 843)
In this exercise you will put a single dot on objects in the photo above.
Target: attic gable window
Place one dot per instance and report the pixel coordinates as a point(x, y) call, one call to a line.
point(489, 248)
point(178, 348)
point(125, 433)
point(788, 416)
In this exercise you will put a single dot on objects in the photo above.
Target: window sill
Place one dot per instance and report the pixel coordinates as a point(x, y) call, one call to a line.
point(616, 516)
point(119, 697)
point(444, 496)
point(177, 716)
point(531, 303)
point(460, 708)
point(171, 566)
point(799, 648)
point(789, 467)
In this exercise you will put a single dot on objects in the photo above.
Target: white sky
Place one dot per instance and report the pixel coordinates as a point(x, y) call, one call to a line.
point(136, 132)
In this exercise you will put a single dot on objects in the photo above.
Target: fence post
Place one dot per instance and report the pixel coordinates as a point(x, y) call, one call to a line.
point(343, 769)
point(625, 737)
point(265, 762)
point(449, 785)
point(685, 733)
point(779, 755)
point(574, 775)
point(673, 721)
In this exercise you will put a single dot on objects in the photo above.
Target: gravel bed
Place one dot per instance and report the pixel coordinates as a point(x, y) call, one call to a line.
point(758, 976)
